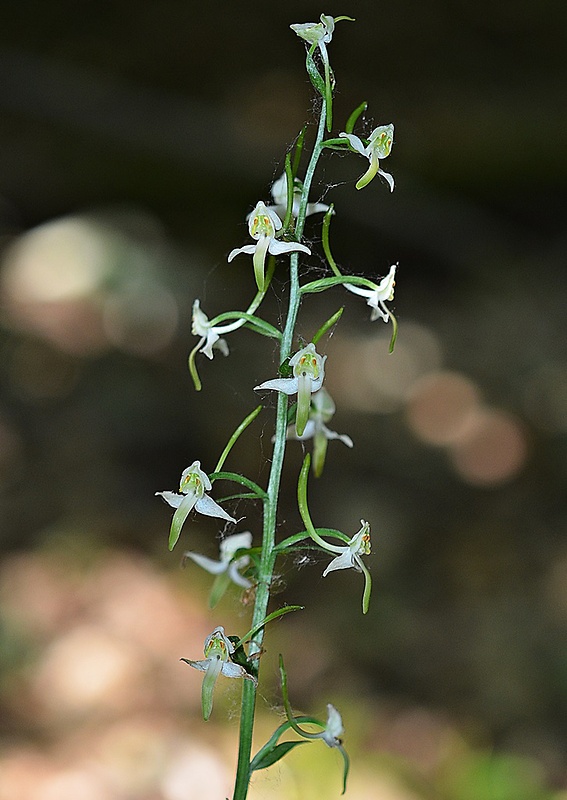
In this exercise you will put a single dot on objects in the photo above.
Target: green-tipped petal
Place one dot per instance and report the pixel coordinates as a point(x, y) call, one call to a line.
point(369, 174)
point(180, 516)
point(213, 671)
point(304, 387)
point(259, 261)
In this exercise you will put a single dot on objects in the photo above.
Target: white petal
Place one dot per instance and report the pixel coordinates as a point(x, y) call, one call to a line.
point(173, 499)
point(308, 432)
point(360, 290)
point(285, 385)
point(238, 541)
point(208, 564)
point(355, 143)
point(231, 670)
point(333, 435)
point(276, 247)
point(237, 578)
point(202, 666)
point(334, 727)
point(207, 506)
point(388, 177)
point(248, 248)
point(344, 561)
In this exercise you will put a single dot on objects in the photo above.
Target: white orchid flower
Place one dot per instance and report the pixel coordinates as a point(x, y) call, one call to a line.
point(279, 195)
point(349, 556)
point(192, 486)
point(227, 568)
point(334, 728)
point(319, 33)
point(263, 224)
point(321, 411)
point(308, 374)
point(376, 298)
point(218, 650)
point(379, 146)
point(210, 334)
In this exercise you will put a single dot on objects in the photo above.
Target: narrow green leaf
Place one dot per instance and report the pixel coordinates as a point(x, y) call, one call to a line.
point(218, 589)
point(394, 332)
point(353, 119)
point(298, 151)
point(193, 368)
point(326, 244)
point(234, 476)
point(231, 442)
point(326, 283)
point(274, 615)
point(327, 325)
point(263, 760)
point(314, 74)
point(290, 188)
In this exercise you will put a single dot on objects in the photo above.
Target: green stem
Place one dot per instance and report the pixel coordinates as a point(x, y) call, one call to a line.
point(268, 556)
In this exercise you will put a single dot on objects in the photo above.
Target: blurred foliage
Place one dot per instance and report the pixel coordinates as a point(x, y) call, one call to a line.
point(151, 129)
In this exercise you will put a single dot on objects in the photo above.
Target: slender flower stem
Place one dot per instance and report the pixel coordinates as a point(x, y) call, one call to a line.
point(268, 555)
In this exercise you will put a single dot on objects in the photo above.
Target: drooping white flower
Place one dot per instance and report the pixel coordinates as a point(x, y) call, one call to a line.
point(192, 487)
point(263, 224)
point(279, 194)
point(376, 298)
point(218, 650)
point(319, 33)
point(321, 411)
point(308, 374)
point(334, 728)
point(210, 335)
point(349, 556)
point(379, 146)
point(227, 563)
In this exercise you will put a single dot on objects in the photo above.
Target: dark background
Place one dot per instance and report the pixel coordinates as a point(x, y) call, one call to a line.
point(139, 135)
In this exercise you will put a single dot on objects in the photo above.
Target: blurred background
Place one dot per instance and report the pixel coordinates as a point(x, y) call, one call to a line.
point(134, 139)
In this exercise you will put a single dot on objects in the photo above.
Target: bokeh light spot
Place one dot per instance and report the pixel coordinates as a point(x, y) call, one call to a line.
point(440, 407)
point(493, 450)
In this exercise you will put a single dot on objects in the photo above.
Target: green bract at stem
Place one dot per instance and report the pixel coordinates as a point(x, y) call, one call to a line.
point(274, 615)
point(234, 476)
point(302, 503)
point(298, 151)
point(290, 541)
point(233, 439)
point(326, 242)
point(353, 119)
point(290, 193)
point(327, 325)
point(252, 322)
point(322, 284)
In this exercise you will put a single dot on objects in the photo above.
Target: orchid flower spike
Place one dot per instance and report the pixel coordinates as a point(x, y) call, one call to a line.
point(308, 373)
point(218, 650)
point(321, 411)
point(263, 225)
point(192, 487)
point(377, 297)
point(279, 195)
point(379, 146)
point(227, 568)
